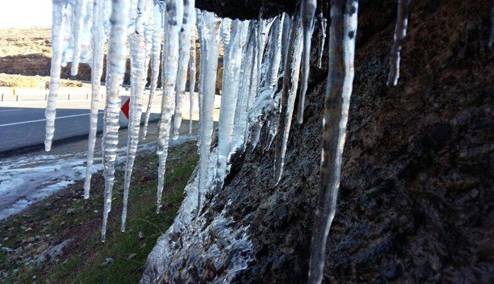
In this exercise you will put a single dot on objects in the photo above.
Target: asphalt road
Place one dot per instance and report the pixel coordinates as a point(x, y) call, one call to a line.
point(23, 127)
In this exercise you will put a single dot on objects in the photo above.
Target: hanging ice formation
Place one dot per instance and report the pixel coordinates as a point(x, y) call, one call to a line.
point(288, 94)
point(192, 69)
point(225, 28)
point(339, 86)
point(308, 10)
point(250, 95)
point(232, 60)
point(158, 21)
point(273, 123)
point(247, 67)
point(183, 64)
point(201, 31)
point(323, 25)
point(138, 82)
point(208, 85)
point(98, 44)
point(116, 69)
point(266, 103)
point(58, 25)
point(399, 35)
point(77, 23)
point(174, 16)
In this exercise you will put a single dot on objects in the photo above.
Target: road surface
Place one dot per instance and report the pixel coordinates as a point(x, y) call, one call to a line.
point(22, 127)
point(22, 124)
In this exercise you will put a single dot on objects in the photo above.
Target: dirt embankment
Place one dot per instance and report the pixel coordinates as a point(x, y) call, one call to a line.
point(28, 52)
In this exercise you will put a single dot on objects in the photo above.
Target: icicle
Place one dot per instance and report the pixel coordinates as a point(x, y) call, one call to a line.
point(116, 69)
point(287, 26)
point(274, 55)
point(323, 22)
point(399, 36)
point(254, 75)
point(308, 8)
point(208, 93)
point(192, 70)
point(274, 121)
point(174, 11)
point(247, 67)
point(201, 28)
point(78, 19)
point(265, 104)
point(225, 31)
point(183, 64)
point(232, 60)
point(342, 37)
point(98, 43)
point(261, 32)
point(58, 25)
point(289, 94)
point(155, 61)
point(138, 81)
point(262, 37)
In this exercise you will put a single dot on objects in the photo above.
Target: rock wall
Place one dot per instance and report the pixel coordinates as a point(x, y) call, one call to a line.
point(417, 195)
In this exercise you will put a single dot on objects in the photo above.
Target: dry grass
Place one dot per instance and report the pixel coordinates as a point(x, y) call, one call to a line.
point(21, 81)
point(25, 41)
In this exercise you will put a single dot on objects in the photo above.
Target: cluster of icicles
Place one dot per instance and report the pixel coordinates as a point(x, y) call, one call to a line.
point(160, 35)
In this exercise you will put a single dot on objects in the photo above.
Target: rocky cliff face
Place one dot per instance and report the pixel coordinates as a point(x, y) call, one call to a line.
point(417, 196)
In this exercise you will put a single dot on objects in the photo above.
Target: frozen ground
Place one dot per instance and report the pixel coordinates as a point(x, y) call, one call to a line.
point(29, 178)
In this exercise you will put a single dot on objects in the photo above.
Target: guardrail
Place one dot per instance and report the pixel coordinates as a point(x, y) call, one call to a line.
point(66, 93)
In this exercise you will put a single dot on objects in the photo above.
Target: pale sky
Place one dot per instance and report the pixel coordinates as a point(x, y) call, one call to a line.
point(25, 13)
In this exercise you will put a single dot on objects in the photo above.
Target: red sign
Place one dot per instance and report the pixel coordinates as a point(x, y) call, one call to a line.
point(125, 108)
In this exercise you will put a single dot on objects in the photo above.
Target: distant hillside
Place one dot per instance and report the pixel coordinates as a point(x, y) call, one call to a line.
point(28, 52)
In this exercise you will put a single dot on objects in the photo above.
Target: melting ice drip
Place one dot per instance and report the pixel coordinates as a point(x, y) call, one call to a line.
point(257, 53)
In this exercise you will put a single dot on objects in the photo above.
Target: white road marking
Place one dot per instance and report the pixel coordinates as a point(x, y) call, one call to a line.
point(40, 120)
point(7, 110)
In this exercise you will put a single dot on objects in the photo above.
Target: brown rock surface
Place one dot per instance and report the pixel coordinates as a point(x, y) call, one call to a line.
point(417, 196)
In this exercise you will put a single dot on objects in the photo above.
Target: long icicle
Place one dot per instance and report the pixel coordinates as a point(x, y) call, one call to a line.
point(308, 12)
point(209, 87)
point(287, 27)
point(78, 19)
point(155, 61)
point(116, 68)
point(192, 69)
point(343, 33)
point(138, 81)
point(270, 84)
point(174, 11)
point(323, 25)
point(399, 36)
point(240, 121)
point(183, 64)
point(98, 42)
point(289, 94)
point(275, 117)
point(58, 24)
point(232, 60)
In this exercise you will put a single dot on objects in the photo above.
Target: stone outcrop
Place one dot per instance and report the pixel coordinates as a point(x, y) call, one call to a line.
point(417, 196)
